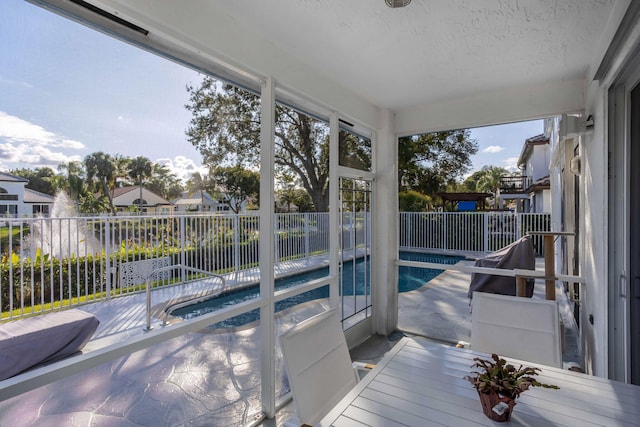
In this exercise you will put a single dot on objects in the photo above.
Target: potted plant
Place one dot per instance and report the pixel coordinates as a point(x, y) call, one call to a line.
point(499, 384)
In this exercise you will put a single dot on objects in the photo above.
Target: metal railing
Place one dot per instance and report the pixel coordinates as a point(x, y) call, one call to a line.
point(200, 275)
point(514, 184)
point(469, 231)
point(51, 263)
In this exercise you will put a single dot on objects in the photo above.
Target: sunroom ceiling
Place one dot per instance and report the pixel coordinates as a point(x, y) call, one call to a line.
point(432, 49)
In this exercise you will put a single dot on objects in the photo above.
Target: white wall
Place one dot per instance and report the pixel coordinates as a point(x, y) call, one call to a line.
point(16, 188)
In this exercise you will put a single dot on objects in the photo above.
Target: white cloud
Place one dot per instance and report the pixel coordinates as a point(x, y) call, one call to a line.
point(493, 149)
point(511, 164)
point(25, 144)
point(183, 166)
point(15, 129)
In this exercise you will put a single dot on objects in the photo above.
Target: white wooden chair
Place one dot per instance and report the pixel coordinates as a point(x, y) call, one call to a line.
point(318, 366)
point(516, 327)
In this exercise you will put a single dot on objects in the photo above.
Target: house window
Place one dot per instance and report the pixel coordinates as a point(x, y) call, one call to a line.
point(7, 210)
point(4, 195)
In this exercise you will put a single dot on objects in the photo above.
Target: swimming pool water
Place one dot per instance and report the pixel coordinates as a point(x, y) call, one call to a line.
point(409, 278)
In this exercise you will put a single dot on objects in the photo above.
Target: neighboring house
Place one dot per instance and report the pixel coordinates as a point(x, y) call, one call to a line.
point(200, 201)
point(12, 195)
point(18, 201)
point(531, 189)
point(38, 203)
point(126, 197)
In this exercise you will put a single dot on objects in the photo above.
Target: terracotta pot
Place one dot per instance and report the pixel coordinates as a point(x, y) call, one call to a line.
point(496, 407)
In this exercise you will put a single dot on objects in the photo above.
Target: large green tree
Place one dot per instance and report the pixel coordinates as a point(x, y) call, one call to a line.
point(428, 163)
point(225, 128)
point(39, 179)
point(237, 183)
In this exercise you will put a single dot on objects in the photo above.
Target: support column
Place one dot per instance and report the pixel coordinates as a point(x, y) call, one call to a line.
point(266, 246)
point(384, 272)
point(335, 235)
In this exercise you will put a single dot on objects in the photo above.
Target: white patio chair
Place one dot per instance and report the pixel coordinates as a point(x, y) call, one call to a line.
point(516, 327)
point(318, 366)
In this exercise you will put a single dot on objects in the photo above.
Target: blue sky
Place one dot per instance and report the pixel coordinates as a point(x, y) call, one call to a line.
point(67, 91)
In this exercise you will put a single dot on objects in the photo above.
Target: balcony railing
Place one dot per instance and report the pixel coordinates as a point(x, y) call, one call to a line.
point(50, 263)
point(514, 184)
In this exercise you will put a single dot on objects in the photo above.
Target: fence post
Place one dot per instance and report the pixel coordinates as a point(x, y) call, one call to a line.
point(236, 242)
point(486, 231)
point(107, 251)
point(183, 255)
point(444, 230)
point(306, 235)
point(276, 226)
point(518, 225)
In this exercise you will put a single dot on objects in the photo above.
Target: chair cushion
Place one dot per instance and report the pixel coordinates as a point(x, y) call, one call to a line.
point(47, 338)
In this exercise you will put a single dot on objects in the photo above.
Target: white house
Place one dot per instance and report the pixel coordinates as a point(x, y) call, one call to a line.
point(200, 201)
point(12, 195)
point(534, 163)
point(18, 201)
point(126, 197)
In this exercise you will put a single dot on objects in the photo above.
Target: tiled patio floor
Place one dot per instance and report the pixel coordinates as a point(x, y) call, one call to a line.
point(207, 378)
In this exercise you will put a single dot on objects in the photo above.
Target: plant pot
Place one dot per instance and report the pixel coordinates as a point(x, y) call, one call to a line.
point(496, 407)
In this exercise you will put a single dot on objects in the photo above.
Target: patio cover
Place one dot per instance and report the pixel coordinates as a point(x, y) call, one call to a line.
point(519, 254)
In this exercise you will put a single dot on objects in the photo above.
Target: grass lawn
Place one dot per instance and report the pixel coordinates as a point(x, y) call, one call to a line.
point(15, 235)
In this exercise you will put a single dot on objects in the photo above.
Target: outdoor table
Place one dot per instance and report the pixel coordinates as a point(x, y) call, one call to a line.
point(420, 383)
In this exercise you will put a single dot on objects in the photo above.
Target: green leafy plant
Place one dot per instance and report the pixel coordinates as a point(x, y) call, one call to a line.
point(503, 378)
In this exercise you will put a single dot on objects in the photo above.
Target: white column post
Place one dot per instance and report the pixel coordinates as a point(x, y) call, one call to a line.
point(335, 234)
point(384, 273)
point(266, 245)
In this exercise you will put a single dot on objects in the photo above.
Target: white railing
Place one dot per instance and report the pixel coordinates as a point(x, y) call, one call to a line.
point(469, 231)
point(49, 263)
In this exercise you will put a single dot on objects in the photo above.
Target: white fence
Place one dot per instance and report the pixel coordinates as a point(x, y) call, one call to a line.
point(469, 231)
point(49, 263)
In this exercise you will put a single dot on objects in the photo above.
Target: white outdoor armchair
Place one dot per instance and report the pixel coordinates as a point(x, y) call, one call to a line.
point(318, 366)
point(517, 327)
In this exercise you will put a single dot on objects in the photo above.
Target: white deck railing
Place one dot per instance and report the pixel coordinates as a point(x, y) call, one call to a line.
point(48, 263)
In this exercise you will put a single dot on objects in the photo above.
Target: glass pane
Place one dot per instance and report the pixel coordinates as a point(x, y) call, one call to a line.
point(355, 151)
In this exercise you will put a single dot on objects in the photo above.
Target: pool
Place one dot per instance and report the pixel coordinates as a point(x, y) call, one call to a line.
point(409, 278)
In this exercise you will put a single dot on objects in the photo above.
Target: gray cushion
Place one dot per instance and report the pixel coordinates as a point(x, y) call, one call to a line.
point(33, 341)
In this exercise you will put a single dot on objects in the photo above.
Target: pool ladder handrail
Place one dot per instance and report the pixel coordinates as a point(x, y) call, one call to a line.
point(175, 306)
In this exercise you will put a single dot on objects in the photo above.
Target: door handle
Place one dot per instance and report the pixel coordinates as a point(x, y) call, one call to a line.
point(622, 288)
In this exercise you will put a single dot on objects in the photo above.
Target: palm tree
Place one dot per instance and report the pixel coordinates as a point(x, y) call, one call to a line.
point(197, 183)
point(487, 180)
point(100, 166)
point(121, 164)
point(139, 169)
point(72, 181)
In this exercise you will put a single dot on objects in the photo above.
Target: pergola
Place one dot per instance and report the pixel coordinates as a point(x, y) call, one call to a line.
point(454, 198)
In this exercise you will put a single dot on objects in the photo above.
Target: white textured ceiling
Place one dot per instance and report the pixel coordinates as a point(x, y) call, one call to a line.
point(432, 49)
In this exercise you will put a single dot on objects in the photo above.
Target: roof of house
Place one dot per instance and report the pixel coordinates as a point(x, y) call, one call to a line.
point(195, 198)
point(529, 143)
point(7, 177)
point(157, 200)
point(33, 196)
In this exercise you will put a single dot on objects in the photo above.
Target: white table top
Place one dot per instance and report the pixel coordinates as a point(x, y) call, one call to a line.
point(420, 383)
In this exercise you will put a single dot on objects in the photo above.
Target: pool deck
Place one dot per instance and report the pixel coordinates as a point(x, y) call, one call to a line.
point(210, 378)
